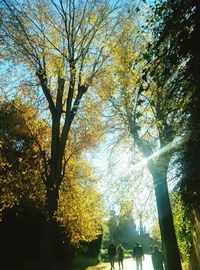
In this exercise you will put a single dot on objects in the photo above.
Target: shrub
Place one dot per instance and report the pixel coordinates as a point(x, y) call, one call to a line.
point(128, 253)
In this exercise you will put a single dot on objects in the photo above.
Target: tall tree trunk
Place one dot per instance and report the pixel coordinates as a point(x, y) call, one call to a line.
point(47, 248)
point(158, 171)
point(49, 227)
point(195, 252)
point(170, 246)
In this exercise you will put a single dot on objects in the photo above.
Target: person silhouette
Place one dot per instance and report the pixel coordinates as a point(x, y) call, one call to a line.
point(120, 255)
point(138, 254)
point(111, 254)
point(157, 259)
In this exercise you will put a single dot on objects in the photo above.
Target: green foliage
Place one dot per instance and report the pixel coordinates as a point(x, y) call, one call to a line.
point(128, 253)
point(183, 226)
point(175, 63)
point(173, 58)
point(174, 54)
point(155, 128)
point(126, 229)
point(122, 227)
point(103, 255)
point(155, 232)
point(176, 26)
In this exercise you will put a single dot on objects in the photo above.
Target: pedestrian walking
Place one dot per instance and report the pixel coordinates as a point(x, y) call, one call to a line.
point(112, 254)
point(120, 256)
point(157, 259)
point(138, 254)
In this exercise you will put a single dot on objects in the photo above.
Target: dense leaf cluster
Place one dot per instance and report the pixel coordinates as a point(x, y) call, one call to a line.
point(177, 58)
point(175, 63)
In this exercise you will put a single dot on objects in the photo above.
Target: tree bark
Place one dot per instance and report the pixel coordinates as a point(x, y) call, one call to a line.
point(49, 227)
point(195, 251)
point(158, 171)
point(170, 246)
point(47, 248)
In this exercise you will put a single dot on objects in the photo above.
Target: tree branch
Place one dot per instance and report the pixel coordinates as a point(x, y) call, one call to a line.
point(46, 90)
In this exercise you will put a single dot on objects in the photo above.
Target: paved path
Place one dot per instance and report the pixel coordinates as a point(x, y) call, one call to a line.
point(129, 264)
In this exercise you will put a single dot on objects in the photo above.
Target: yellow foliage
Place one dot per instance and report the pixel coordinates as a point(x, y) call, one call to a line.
point(79, 211)
point(80, 206)
point(20, 160)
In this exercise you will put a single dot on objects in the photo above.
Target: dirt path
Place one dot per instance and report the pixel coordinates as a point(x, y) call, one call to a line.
point(129, 264)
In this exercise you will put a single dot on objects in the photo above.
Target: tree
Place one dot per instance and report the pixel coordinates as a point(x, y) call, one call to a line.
point(148, 112)
point(61, 44)
point(112, 225)
point(155, 233)
point(79, 214)
point(126, 228)
point(181, 57)
point(176, 31)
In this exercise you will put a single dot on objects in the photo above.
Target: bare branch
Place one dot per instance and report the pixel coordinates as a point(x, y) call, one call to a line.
point(46, 90)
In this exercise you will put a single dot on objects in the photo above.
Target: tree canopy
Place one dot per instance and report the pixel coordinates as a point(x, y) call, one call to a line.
point(78, 71)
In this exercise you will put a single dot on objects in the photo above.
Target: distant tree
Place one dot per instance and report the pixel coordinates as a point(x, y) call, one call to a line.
point(126, 229)
point(122, 227)
point(112, 226)
point(155, 232)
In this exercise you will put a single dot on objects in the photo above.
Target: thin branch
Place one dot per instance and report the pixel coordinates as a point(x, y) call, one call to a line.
point(67, 160)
